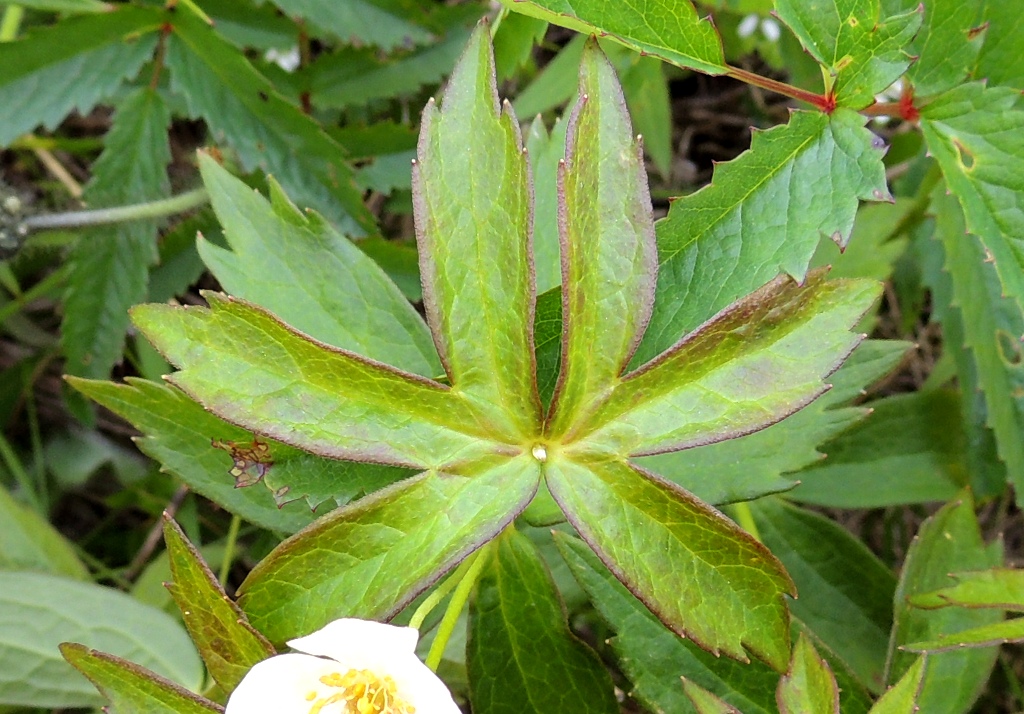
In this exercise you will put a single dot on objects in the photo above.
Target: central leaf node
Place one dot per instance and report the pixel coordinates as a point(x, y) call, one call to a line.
point(540, 452)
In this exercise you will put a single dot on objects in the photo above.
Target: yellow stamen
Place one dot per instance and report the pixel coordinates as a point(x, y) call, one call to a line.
point(362, 692)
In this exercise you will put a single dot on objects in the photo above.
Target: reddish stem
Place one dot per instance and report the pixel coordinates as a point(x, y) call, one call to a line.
point(824, 102)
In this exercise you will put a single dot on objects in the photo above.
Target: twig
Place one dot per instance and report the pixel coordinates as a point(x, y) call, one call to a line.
point(154, 536)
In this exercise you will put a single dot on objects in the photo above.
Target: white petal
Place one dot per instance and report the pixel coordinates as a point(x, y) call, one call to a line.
point(422, 688)
point(771, 29)
point(350, 639)
point(747, 26)
point(280, 685)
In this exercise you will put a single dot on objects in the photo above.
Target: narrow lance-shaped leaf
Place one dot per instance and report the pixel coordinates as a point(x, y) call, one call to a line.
point(947, 542)
point(986, 637)
point(110, 266)
point(72, 65)
point(521, 655)
point(673, 551)
point(227, 643)
point(243, 364)
point(669, 29)
point(373, 557)
point(763, 213)
point(1001, 588)
point(653, 657)
point(809, 686)
point(131, 689)
point(846, 592)
point(301, 269)
point(243, 109)
point(471, 184)
point(609, 259)
point(977, 136)
point(757, 362)
point(862, 51)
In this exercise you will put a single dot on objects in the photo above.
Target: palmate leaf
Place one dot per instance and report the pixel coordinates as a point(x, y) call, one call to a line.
point(481, 440)
point(1002, 59)
point(809, 686)
point(861, 50)
point(977, 136)
point(669, 29)
point(72, 65)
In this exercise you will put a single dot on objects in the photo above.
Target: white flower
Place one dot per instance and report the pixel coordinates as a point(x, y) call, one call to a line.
point(349, 667)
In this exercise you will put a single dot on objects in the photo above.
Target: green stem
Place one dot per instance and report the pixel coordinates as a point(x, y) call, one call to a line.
point(229, 550)
point(15, 466)
point(439, 594)
point(11, 23)
point(100, 216)
point(51, 281)
point(455, 606)
point(745, 518)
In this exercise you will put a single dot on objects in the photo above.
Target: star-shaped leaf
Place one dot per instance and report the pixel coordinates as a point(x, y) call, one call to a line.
point(481, 437)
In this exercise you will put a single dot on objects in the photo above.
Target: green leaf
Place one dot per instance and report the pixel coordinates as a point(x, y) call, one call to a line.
point(472, 198)
point(902, 697)
point(609, 258)
point(1001, 588)
point(845, 590)
point(241, 108)
point(66, 6)
point(947, 46)
point(918, 436)
point(947, 542)
point(977, 136)
point(110, 265)
point(758, 361)
point(521, 654)
point(299, 267)
point(40, 611)
point(762, 214)
point(992, 328)
point(131, 689)
point(385, 23)
point(513, 42)
point(554, 85)
point(653, 657)
point(29, 542)
point(546, 152)
point(227, 643)
point(242, 363)
point(875, 243)
point(763, 462)
point(671, 550)
point(809, 686)
point(704, 701)
point(669, 29)
point(373, 557)
point(354, 78)
point(646, 89)
point(179, 433)
point(986, 636)
point(72, 65)
point(1001, 61)
point(862, 51)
